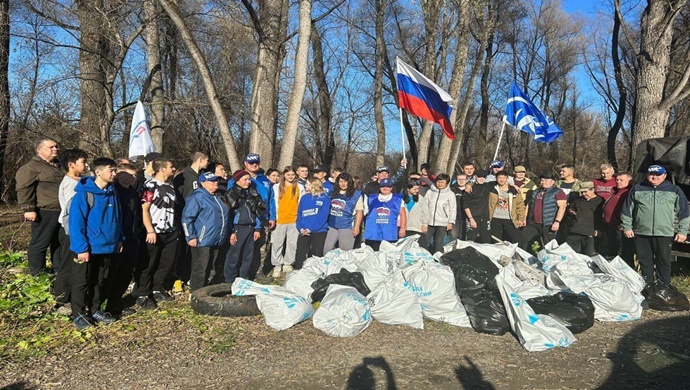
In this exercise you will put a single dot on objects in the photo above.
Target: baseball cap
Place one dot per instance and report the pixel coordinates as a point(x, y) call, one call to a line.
point(208, 176)
point(152, 156)
point(587, 185)
point(496, 164)
point(386, 183)
point(252, 158)
point(320, 168)
point(482, 173)
point(656, 170)
point(520, 168)
point(383, 168)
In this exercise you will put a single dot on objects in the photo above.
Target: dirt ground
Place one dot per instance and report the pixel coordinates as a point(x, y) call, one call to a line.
point(647, 354)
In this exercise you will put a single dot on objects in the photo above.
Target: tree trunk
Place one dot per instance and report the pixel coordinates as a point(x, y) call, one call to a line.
point(287, 151)
point(92, 54)
point(4, 83)
point(622, 92)
point(154, 76)
point(270, 26)
point(654, 56)
point(325, 102)
point(207, 78)
point(484, 107)
point(378, 84)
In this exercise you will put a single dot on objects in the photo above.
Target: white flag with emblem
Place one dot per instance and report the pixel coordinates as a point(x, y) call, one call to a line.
point(140, 142)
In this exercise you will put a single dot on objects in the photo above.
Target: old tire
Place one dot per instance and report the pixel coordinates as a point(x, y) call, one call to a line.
point(217, 300)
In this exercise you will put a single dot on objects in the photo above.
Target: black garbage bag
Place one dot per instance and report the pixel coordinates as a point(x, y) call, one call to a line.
point(666, 298)
point(574, 310)
point(485, 309)
point(345, 278)
point(472, 269)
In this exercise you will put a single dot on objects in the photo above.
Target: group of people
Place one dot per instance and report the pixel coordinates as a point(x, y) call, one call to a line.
point(108, 224)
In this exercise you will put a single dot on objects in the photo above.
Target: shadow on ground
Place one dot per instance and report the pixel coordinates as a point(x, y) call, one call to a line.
point(655, 355)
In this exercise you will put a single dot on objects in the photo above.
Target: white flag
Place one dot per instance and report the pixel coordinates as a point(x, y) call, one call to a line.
point(140, 142)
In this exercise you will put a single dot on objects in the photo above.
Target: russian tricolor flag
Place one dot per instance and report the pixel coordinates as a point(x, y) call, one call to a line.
point(423, 98)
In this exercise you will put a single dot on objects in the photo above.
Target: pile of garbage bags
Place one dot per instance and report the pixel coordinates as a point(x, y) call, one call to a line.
point(493, 288)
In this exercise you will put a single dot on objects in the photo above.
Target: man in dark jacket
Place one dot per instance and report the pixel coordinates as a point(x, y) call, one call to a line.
point(545, 213)
point(38, 184)
point(476, 204)
point(612, 242)
point(585, 222)
point(458, 189)
point(246, 208)
point(205, 222)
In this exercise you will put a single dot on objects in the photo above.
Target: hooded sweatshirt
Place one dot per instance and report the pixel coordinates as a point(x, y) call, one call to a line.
point(97, 229)
point(312, 212)
point(441, 207)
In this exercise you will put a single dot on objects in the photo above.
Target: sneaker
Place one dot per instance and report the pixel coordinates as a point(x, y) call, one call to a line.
point(162, 296)
point(276, 271)
point(82, 322)
point(287, 269)
point(103, 317)
point(146, 303)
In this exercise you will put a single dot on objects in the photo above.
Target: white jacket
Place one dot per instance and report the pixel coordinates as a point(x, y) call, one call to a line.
point(441, 207)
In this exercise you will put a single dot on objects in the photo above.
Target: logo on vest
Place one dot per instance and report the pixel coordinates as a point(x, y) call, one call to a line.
point(338, 207)
point(383, 214)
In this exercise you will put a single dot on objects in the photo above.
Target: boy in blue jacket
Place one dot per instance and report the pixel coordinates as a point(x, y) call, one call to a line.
point(205, 222)
point(312, 221)
point(95, 225)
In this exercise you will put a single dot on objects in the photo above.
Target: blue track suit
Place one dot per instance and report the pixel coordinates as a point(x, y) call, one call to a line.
point(95, 229)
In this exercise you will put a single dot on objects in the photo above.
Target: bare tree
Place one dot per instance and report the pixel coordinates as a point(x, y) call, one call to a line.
point(155, 77)
point(208, 82)
point(4, 83)
point(287, 151)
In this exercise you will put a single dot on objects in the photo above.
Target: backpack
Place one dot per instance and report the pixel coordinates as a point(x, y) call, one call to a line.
point(65, 218)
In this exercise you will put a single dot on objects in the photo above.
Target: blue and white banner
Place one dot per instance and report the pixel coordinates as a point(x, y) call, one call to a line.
point(524, 115)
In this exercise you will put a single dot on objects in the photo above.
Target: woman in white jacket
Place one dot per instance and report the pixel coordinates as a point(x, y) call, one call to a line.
point(441, 210)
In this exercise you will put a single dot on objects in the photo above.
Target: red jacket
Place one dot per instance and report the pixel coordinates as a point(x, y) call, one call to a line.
point(612, 207)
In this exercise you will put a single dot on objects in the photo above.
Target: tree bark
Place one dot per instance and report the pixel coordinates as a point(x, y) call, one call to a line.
point(4, 83)
point(207, 78)
point(325, 102)
point(287, 151)
point(378, 83)
point(654, 56)
point(270, 25)
point(152, 34)
point(94, 49)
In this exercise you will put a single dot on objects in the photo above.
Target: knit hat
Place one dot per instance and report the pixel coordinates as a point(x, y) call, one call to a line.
point(239, 174)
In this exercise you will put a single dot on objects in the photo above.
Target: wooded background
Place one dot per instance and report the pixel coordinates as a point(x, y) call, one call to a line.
point(313, 81)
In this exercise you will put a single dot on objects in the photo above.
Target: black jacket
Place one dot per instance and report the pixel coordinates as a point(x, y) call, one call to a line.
point(589, 216)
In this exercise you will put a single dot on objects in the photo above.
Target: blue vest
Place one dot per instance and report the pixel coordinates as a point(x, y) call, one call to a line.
point(342, 214)
point(382, 220)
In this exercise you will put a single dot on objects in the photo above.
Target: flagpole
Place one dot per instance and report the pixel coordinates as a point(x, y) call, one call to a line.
point(402, 133)
point(500, 137)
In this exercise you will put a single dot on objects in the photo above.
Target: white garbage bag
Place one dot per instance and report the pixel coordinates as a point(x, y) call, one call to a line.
point(375, 268)
point(434, 285)
point(281, 308)
point(393, 304)
point(565, 258)
point(396, 251)
point(622, 271)
point(344, 312)
point(535, 332)
point(300, 281)
point(612, 299)
point(335, 260)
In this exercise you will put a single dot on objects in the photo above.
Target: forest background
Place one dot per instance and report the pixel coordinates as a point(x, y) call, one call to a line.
point(313, 81)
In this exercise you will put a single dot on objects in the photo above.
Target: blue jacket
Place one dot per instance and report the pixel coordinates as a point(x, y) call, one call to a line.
point(328, 187)
point(95, 229)
point(206, 218)
point(265, 188)
point(312, 213)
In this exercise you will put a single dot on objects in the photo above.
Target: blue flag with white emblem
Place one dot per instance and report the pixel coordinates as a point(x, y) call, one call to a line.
point(524, 115)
